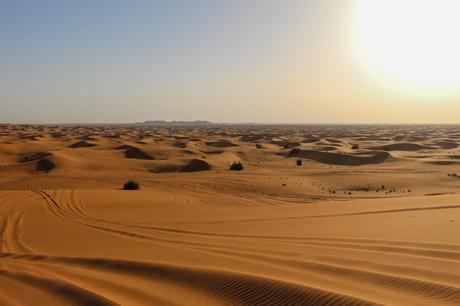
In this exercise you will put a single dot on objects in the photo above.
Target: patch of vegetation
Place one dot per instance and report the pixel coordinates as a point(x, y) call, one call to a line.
point(45, 165)
point(299, 162)
point(359, 188)
point(236, 166)
point(34, 157)
point(289, 145)
point(131, 185)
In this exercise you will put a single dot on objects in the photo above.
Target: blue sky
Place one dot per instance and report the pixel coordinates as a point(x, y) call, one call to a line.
point(226, 61)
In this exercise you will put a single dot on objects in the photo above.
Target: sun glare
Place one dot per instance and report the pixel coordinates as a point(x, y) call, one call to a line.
point(411, 44)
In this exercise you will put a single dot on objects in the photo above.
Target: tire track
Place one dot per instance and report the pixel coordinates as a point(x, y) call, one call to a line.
point(442, 288)
point(10, 227)
point(429, 249)
point(53, 207)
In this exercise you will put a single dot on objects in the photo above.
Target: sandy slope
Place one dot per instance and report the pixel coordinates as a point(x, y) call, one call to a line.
point(377, 231)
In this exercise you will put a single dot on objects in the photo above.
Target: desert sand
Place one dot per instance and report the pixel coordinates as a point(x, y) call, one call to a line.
point(370, 216)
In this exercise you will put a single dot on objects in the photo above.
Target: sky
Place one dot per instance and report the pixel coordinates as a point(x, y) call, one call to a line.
point(263, 61)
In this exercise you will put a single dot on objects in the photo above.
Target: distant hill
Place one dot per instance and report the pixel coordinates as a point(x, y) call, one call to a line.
point(176, 123)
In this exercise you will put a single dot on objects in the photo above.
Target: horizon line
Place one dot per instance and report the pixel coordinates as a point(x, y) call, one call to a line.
point(207, 123)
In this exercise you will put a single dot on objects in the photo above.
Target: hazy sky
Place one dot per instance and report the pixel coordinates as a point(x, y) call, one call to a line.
point(224, 61)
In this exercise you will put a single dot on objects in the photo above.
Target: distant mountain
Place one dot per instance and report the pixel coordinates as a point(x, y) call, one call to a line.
point(176, 123)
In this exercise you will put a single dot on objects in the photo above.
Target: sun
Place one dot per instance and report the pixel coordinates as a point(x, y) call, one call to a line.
point(412, 44)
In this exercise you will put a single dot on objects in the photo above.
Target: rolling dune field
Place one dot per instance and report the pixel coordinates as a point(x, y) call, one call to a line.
point(320, 215)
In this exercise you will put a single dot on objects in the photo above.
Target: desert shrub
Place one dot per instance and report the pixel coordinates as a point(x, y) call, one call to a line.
point(236, 166)
point(259, 146)
point(45, 165)
point(355, 146)
point(290, 145)
point(131, 185)
point(299, 162)
point(34, 157)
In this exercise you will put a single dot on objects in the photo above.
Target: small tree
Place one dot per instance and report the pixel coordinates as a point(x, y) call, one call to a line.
point(131, 185)
point(236, 166)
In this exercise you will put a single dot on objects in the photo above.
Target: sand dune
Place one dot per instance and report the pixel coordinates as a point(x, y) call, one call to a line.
point(82, 144)
point(402, 147)
point(195, 165)
point(348, 227)
point(220, 144)
point(446, 144)
point(134, 152)
point(341, 158)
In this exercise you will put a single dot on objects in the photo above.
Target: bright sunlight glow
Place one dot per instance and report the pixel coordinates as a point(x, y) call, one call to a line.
point(411, 44)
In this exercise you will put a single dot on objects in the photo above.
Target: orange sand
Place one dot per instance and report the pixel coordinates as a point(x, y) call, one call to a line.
point(378, 224)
